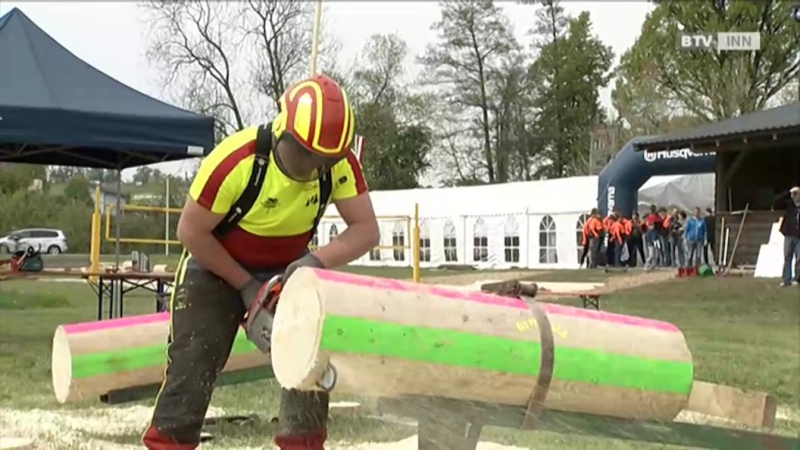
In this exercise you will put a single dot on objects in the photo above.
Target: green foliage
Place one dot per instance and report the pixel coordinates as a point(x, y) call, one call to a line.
point(391, 120)
point(79, 190)
point(571, 67)
point(18, 177)
point(475, 41)
point(709, 85)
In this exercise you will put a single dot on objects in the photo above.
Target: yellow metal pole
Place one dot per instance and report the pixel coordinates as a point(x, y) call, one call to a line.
point(315, 37)
point(416, 276)
point(94, 252)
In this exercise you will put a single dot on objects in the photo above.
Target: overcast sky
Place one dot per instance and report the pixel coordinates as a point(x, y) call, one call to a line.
point(111, 36)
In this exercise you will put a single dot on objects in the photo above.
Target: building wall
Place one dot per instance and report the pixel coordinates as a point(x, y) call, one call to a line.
point(490, 242)
point(762, 175)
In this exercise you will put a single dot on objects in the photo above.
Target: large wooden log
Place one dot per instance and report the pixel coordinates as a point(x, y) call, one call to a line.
point(389, 338)
point(92, 359)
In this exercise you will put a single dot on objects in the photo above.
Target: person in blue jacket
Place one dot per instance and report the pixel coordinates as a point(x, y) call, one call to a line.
point(696, 235)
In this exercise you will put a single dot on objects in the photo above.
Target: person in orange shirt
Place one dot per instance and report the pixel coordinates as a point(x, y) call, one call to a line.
point(585, 233)
point(607, 223)
point(627, 228)
point(616, 240)
point(593, 232)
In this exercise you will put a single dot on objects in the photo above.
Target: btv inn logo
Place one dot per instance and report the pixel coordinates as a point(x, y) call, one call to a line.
point(672, 154)
point(721, 42)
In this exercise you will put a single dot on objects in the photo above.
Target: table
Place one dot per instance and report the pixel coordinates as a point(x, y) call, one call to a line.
point(108, 283)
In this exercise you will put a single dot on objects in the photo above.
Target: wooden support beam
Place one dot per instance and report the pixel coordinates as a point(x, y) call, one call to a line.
point(754, 409)
point(738, 160)
point(683, 435)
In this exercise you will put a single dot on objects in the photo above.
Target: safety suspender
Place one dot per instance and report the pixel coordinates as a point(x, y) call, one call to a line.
point(250, 194)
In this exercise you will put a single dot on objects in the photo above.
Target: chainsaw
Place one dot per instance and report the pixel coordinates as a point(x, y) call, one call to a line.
point(258, 323)
point(28, 260)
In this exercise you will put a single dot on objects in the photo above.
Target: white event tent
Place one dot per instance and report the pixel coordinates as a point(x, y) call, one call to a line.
point(535, 224)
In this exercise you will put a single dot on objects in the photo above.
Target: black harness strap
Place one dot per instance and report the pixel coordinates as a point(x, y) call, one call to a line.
point(251, 192)
point(325, 188)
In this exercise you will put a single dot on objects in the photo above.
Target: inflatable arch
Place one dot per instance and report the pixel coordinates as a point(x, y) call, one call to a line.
point(620, 180)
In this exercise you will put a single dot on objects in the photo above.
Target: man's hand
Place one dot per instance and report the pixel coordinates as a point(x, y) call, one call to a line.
point(309, 260)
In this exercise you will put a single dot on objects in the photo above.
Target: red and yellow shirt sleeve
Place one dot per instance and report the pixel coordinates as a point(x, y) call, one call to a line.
point(348, 178)
point(224, 173)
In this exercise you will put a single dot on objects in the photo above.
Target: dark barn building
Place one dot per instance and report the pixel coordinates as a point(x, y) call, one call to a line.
point(757, 158)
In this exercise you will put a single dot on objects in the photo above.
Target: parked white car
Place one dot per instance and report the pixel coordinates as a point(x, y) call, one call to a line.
point(44, 239)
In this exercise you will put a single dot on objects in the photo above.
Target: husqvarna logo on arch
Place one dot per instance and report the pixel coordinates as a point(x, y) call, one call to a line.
point(672, 154)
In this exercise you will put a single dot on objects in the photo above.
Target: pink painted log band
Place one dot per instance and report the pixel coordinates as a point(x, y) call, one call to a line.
point(388, 338)
point(94, 358)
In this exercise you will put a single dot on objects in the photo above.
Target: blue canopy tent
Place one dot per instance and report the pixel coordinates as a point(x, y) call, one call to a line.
point(55, 109)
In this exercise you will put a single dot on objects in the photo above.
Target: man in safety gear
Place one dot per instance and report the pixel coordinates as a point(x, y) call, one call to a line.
point(252, 211)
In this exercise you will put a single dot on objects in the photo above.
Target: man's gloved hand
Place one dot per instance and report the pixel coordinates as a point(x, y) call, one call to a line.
point(259, 331)
point(308, 260)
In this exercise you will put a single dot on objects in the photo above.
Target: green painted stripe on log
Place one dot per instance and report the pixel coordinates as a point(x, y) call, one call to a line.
point(495, 354)
point(104, 363)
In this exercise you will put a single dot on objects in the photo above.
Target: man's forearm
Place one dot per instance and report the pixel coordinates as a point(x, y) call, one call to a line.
point(207, 250)
point(354, 242)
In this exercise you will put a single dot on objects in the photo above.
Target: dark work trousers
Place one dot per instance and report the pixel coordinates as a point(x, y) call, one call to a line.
point(635, 251)
point(610, 246)
point(710, 247)
point(584, 253)
point(595, 243)
point(616, 252)
point(206, 314)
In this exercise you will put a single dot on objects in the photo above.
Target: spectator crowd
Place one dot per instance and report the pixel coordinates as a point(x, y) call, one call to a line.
point(659, 239)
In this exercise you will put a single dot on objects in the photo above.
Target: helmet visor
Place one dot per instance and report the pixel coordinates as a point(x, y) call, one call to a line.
point(300, 163)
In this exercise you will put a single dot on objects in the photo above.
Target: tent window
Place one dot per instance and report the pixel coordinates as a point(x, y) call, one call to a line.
point(424, 243)
point(450, 247)
point(579, 233)
point(547, 241)
point(333, 233)
point(375, 253)
point(480, 241)
point(399, 242)
point(511, 240)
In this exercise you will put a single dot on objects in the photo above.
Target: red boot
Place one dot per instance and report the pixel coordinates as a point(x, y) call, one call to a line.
point(155, 440)
point(314, 441)
point(681, 272)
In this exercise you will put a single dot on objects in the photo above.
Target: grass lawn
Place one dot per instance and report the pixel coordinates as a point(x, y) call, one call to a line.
point(743, 332)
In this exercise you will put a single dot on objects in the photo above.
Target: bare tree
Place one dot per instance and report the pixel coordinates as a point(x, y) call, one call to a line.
point(283, 42)
point(216, 57)
point(473, 35)
point(196, 55)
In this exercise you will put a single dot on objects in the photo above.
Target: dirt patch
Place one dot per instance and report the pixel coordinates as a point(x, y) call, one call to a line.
point(620, 283)
point(471, 277)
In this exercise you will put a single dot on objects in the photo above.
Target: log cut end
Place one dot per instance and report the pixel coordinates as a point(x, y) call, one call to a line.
point(297, 331)
point(61, 365)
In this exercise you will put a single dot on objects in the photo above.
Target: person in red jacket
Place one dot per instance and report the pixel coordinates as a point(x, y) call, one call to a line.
point(635, 242)
point(652, 238)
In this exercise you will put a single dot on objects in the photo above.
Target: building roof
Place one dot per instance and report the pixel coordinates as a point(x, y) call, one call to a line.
point(57, 109)
point(783, 118)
